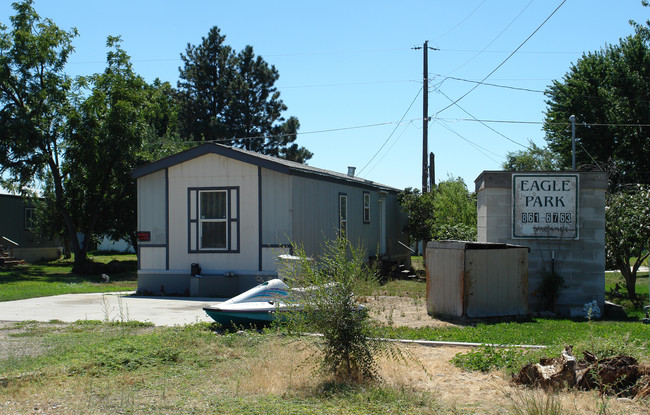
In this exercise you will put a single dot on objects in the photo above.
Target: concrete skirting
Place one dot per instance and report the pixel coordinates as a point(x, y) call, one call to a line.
point(224, 285)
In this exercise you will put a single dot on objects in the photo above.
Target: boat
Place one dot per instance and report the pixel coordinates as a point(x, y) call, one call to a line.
point(257, 306)
point(262, 304)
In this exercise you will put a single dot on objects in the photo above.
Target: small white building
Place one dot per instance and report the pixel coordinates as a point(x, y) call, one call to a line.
point(232, 212)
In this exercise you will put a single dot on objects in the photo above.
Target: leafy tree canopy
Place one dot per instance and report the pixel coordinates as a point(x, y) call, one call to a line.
point(608, 91)
point(627, 232)
point(33, 95)
point(534, 158)
point(448, 212)
point(77, 140)
point(231, 97)
point(35, 105)
point(117, 115)
point(419, 208)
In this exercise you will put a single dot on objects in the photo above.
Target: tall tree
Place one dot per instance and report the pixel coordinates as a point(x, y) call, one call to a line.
point(156, 115)
point(231, 97)
point(454, 211)
point(104, 136)
point(204, 87)
point(120, 122)
point(34, 103)
point(608, 91)
point(79, 140)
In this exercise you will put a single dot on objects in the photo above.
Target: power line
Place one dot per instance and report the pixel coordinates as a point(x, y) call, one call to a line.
point(495, 39)
point(410, 121)
point(390, 147)
point(533, 52)
point(321, 53)
point(482, 150)
point(488, 84)
point(590, 156)
point(584, 124)
point(491, 121)
point(345, 84)
point(356, 127)
point(393, 132)
point(505, 60)
point(482, 123)
point(461, 22)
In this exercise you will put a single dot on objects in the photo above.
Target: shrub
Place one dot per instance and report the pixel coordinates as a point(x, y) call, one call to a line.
point(327, 307)
point(487, 358)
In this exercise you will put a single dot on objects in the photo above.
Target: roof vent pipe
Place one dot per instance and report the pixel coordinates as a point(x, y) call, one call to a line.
point(351, 171)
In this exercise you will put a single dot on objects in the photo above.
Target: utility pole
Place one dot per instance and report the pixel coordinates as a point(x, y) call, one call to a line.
point(425, 115)
point(425, 118)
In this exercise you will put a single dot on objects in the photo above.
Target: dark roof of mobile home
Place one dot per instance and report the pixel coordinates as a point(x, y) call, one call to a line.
point(257, 159)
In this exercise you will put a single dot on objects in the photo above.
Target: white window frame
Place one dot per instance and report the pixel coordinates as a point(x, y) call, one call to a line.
point(225, 220)
point(366, 207)
point(343, 214)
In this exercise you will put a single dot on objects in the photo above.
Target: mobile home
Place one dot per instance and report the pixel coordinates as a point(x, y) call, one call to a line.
point(213, 220)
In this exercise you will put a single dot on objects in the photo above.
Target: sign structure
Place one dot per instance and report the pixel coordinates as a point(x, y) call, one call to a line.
point(545, 206)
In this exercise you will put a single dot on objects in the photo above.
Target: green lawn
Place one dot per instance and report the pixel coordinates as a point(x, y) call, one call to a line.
point(642, 291)
point(56, 277)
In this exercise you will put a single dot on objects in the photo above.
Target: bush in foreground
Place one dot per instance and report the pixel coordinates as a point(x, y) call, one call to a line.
point(327, 306)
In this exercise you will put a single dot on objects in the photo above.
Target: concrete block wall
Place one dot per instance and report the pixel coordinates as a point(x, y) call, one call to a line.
point(580, 262)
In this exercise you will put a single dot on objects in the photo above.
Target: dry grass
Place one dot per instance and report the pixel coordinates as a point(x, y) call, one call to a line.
point(267, 367)
point(283, 368)
point(289, 370)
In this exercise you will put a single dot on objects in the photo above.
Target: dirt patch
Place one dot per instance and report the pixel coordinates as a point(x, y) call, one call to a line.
point(15, 342)
point(401, 312)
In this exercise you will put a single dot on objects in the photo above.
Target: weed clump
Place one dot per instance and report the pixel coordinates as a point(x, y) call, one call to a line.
point(326, 305)
point(487, 358)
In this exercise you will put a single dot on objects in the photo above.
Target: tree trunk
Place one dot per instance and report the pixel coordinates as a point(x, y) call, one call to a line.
point(66, 248)
point(79, 256)
point(629, 275)
point(133, 236)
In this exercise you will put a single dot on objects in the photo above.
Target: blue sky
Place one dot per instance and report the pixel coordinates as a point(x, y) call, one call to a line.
point(350, 75)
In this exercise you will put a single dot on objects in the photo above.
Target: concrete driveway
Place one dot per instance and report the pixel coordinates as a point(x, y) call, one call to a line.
point(161, 311)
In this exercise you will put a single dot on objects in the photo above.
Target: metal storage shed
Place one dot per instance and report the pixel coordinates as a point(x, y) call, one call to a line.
point(475, 280)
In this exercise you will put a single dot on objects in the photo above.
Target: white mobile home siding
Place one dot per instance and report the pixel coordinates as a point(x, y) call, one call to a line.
point(152, 217)
point(272, 203)
point(212, 171)
point(152, 193)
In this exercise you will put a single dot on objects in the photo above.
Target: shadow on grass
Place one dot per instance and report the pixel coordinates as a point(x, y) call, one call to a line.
point(60, 271)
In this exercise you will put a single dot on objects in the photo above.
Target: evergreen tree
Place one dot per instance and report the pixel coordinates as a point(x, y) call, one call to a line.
point(231, 98)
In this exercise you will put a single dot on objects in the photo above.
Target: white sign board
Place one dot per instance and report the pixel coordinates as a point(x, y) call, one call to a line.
point(545, 206)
